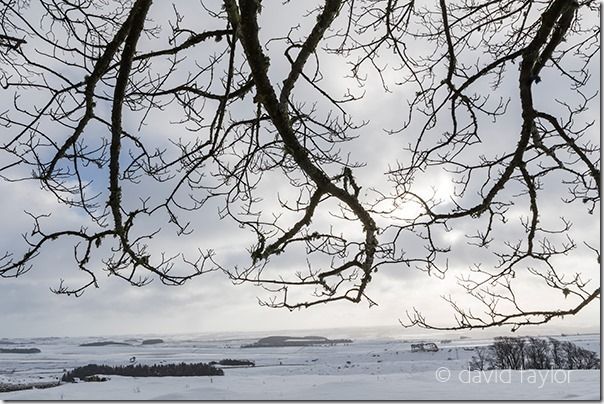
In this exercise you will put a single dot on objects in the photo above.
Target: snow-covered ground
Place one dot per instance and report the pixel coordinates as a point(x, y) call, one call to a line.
point(375, 369)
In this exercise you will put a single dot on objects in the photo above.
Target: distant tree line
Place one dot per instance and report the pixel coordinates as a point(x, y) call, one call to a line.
point(533, 353)
point(153, 341)
point(173, 369)
point(103, 343)
point(8, 387)
point(233, 362)
point(20, 350)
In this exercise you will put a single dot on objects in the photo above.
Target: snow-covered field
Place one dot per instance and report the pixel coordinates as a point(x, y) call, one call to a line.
point(369, 369)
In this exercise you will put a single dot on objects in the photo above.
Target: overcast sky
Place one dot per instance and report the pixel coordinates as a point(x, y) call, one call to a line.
point(211, 303)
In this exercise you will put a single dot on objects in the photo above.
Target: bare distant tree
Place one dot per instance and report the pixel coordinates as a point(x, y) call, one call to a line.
point(579, 358)
point(509, 352)
point(537, 354)
point(251, 110)
point(483, 360)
